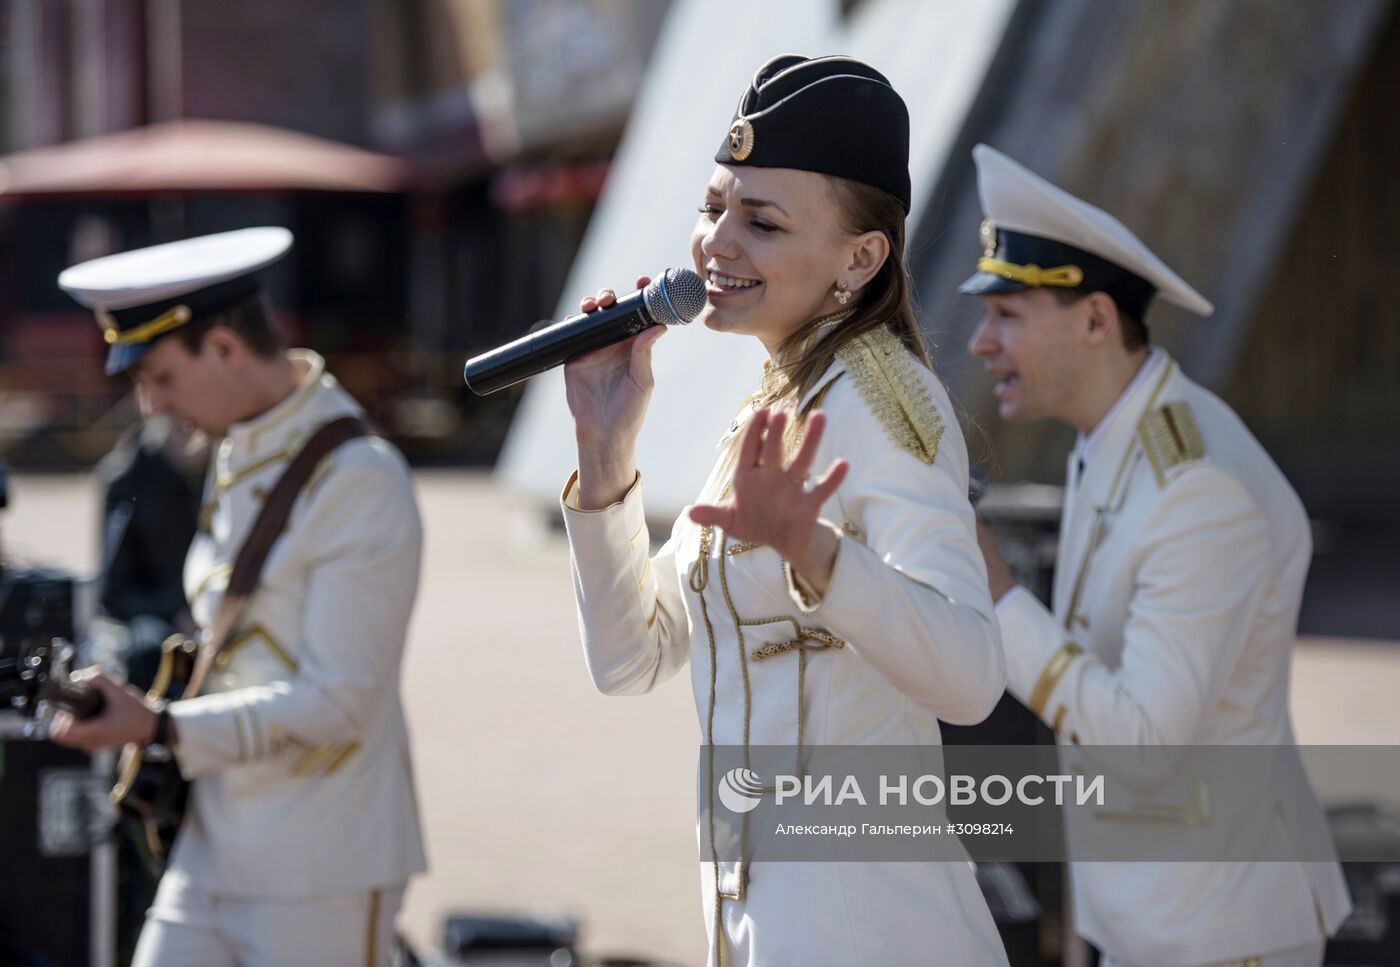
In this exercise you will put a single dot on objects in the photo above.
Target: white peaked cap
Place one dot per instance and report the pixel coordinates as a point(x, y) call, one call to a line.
point(1018, 200)
point(160, 272)
point(142, 295)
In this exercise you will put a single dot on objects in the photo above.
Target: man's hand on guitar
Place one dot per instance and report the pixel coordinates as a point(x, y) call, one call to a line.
point(125, 716)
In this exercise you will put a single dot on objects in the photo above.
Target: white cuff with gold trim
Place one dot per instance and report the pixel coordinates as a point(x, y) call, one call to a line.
point(807, 598)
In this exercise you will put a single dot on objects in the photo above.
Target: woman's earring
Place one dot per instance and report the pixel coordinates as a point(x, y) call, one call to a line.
point(843, 294)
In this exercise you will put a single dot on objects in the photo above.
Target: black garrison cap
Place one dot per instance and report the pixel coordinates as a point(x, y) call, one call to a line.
point(832, 115)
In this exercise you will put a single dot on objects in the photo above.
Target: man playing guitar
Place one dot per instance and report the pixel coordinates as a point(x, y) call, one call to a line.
point(300, 829)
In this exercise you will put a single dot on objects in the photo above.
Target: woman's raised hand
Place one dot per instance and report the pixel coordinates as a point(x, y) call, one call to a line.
point(607, 392)
point(772, 502)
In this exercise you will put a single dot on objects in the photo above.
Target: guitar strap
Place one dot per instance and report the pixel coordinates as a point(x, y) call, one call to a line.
point(270, 523)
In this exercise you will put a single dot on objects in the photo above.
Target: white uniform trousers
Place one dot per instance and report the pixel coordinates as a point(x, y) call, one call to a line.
point(188, 927)
point(1308, 955)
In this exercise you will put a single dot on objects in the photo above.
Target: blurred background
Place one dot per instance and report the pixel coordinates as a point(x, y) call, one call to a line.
point(455, 170)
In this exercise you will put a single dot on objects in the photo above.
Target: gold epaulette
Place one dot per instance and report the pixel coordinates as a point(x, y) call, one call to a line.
point(884, 374)
point(1170, 437)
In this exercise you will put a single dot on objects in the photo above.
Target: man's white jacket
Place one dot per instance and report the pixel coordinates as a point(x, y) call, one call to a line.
point(1183, 551)
point(299, 755)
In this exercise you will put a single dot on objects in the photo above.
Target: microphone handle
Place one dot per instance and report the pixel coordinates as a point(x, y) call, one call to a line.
point(557, 344)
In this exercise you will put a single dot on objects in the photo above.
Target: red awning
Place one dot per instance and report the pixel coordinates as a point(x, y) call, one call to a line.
point(198, 155)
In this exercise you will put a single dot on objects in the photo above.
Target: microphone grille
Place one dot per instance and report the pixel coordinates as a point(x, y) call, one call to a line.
point(676, 297)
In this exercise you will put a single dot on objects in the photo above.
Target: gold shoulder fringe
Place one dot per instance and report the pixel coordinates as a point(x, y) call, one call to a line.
point(884, 374)
point(1170, 437)
point(797, 427)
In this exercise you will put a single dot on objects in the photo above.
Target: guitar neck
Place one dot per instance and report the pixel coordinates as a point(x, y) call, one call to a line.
point(82, 701)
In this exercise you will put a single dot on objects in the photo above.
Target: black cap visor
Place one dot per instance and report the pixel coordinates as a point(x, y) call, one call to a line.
point(989, 283)
point(121, 358)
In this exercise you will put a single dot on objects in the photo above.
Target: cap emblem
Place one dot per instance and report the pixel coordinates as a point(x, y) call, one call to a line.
point(741, 139)
point(988, 234)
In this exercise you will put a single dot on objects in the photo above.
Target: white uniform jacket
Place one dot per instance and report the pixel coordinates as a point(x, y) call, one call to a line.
point(916, 641)
point(1182, 556)
point(298, 753)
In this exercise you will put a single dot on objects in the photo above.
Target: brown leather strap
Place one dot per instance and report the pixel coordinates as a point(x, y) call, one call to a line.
point(271, 522)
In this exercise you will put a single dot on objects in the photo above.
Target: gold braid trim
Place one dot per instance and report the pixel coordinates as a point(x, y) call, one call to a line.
point(820, 639)
point(1066, 276)
point(144, 333)
point(1050, 676)
point(699, 581)
point(805, 639)
point(249, 635)
point(884, 373)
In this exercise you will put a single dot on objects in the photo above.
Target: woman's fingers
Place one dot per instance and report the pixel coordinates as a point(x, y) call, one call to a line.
point(751, 444)
point(822, 490)
point(802, 462)
point(643, 281)
point(604, 298)
point(774, 504)
point(772, 455)
point(640, 361)
point(707, 515)
point(647, 338)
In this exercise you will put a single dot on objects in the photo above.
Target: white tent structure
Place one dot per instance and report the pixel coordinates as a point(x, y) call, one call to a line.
point(935, 52)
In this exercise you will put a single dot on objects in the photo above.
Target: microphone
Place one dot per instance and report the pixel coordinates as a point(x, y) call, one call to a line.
point(671, 300)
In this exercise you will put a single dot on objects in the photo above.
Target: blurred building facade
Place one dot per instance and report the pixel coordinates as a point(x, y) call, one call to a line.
point(1248, 143)
point(500, 115)
point(1242, 138)
point(79, 68)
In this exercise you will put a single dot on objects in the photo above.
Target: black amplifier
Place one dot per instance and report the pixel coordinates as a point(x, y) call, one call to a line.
point(46, 844)
point(1368, 843)
point(34, 601)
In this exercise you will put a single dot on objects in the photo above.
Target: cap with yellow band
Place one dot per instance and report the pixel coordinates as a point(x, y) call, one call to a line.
point(1022, 261)
point(1037, 235)
point(1032, 275)
point(141, 295)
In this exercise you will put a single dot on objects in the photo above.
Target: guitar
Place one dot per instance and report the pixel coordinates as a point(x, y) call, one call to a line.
point(149, 787)
point(38, 674)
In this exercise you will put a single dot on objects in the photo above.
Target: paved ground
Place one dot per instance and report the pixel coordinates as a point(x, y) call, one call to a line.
point(538, 793)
